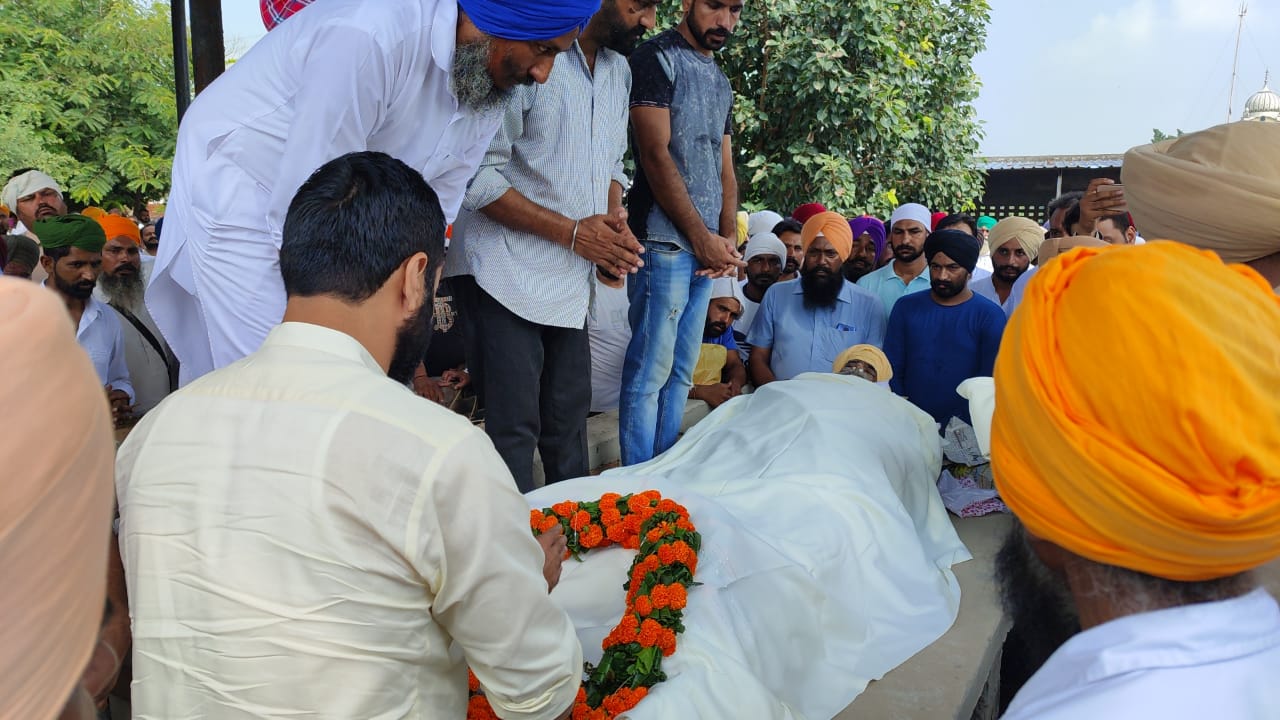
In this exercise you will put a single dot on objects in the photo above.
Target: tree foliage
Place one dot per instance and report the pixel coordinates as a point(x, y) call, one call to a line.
point(88, 88)
point(859, 105)
point(1158, 135)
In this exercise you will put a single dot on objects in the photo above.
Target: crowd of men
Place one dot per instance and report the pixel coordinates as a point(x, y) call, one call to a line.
point(262, 345)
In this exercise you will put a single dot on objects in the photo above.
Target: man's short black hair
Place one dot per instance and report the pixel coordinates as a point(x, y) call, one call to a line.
point(955, 219)
point(353, 222)
point(1120, 220)
point(788, 225)
point(1071, 219)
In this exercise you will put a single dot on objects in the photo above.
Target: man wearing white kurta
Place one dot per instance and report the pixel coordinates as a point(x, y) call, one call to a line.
point(305, 537)
point(417, 79)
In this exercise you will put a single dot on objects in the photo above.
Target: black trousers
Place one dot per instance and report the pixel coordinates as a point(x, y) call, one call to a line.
point(534, 382)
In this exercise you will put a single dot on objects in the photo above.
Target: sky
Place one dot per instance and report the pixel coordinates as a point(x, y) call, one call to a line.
point(1080, 77)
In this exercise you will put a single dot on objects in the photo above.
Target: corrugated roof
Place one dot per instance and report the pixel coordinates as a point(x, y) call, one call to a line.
point(1032, 162)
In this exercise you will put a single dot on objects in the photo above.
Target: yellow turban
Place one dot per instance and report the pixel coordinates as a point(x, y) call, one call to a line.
point(55, 502)
point(1217, 189)
point(116, 226)
point(869, 354)
point(832, 226)
point(1151, 441)
point(1026, 231)
point(743, 226)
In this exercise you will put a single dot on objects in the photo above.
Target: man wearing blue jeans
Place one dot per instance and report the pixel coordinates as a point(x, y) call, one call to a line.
point(682, 207)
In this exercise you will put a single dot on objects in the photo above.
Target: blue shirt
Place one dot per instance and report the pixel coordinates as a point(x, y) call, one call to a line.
point(933, 348)
point(668, 73)
point(808, 339)
point(725, 338)
point(886, 285)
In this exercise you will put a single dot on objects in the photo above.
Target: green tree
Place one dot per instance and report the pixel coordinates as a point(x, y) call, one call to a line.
point(859, 105)
point(1158, 135)
point(88, 96)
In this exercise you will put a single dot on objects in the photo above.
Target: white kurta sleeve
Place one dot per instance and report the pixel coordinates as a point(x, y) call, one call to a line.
point(117, 369)
point(342, 98)
point(485, 569)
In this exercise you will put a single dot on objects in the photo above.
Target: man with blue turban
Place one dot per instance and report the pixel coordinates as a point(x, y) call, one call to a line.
point(421, 80)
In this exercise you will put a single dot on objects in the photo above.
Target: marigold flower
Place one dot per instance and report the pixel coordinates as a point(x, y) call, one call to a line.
point(659, 596)
point(610, 499)
point(638, 503)
point(632, 542)
point(565, 509)
point(579, 520)
point(591, 536)
point(667, 642)
point(650, 631)
point(548, 522)
point(473, 683)
point(610, 516)
point(644, 606)
point(632, 523)
point(617, 533)
point(677, 596)
point(478, 708)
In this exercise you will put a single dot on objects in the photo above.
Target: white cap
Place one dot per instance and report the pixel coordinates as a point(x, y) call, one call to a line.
point(759, 223)
point(26, 184)
point(728, 287)
point(911, 211)
point(765, 244)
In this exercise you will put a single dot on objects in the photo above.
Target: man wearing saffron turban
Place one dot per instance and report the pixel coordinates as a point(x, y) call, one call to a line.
point(803, 325)
point(421, 80)
point(1143, 503)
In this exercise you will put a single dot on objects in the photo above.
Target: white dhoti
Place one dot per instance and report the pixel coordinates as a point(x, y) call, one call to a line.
point(826, 551)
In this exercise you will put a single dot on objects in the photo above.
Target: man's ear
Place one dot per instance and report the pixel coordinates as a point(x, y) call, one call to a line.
point(1051, 554)
point(47, 263)
point(413, 288)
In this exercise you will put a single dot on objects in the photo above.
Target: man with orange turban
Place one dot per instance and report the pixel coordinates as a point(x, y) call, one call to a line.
point(1144, 503)
point(1217, 189)
point(153, 368)
point(803, 324)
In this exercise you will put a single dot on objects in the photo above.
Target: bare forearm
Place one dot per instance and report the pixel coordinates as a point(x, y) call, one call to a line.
point(518, 212)
point(615, 196)
point(115, 631)
point(670, 192)
point(729, 188)
point(737, 372)
point(761, 374)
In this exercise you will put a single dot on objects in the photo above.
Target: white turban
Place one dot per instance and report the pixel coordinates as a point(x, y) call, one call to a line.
point(28, 183)
point(765, 244)
point(728, 287)
point(55, 502)
point(911, 211)
point(762, 222)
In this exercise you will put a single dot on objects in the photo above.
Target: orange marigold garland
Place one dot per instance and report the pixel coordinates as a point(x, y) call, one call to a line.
point(657, 589)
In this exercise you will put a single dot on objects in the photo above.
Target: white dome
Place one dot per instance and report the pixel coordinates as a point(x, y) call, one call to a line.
point(1264, 104)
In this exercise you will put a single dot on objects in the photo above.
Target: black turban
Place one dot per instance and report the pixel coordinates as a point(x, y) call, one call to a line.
point(958, 245)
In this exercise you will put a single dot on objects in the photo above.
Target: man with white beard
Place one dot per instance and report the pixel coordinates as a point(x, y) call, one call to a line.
point(152, 365)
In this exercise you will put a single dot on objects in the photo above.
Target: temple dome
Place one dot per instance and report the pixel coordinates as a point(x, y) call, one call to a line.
point(1263, 105)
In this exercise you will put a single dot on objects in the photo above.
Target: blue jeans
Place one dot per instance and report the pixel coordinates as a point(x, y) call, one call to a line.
point(668, 313)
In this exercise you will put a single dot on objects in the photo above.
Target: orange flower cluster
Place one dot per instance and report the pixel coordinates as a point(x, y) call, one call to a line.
point(657, 593)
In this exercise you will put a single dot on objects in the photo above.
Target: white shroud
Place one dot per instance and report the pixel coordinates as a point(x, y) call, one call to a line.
point(826, 551)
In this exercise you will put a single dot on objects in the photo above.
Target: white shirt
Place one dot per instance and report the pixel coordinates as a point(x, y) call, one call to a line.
point(560, 145)
point(986, 287)
point(1211, 660)
point(742, 326)
point(1016, 293)
point(100, 335)
point(304, 537)
point(346, 75)
point(609, 332)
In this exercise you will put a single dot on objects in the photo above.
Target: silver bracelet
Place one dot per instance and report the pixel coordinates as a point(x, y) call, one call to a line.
point(573, 241)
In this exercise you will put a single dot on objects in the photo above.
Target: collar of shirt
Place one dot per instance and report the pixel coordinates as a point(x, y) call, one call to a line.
point(324, 339)
point(444, 35)
point(1190, 635)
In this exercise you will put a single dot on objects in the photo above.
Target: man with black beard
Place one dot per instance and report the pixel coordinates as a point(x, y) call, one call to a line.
point(908, 228)
point(421, 80)
point(939, 339)
point(1015, 243)
point(803, 325)
point(73, 260)
point(765, 255)
point(152, 366)
point(543, 210)
point(305, 498)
